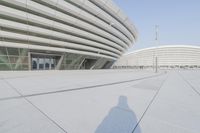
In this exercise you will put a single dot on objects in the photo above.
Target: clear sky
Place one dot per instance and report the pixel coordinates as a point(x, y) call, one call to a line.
point(178, 20)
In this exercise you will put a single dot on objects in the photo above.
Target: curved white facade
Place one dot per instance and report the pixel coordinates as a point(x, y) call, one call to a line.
point(174, 56)
point(87, 27)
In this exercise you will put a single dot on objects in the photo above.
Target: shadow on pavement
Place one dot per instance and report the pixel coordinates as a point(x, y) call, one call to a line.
point(120, 119)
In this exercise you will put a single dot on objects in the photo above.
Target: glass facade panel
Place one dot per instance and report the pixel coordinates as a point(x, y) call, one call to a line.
point(24, 66)
point(3, 51)
point(16, 62)
point(68, 61)
point(5, 67)
point(23, 52)
point(4, 59)
point(13, 51)
point(17, 59)
point(71, 61)
point(47, 63)
point(34, 63)
point(23, 59)
point(100, 63)
point(13, 59)
point(75, 61)
point(53, 63)
point(41, 63)
point(16, 66)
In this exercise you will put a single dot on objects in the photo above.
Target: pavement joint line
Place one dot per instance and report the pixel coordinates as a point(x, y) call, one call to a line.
point(46, 115)
point(150, 103)
point(77, 89)
point(25, 98)
point(52, 73)
point(192, 87)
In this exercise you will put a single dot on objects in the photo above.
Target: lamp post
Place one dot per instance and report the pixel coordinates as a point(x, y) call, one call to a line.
point(156, 42)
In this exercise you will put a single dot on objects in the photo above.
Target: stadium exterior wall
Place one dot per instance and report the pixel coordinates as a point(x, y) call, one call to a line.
point(165, 57)
point(62, 34)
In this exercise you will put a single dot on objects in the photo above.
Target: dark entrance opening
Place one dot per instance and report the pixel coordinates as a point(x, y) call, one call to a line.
point(88, 63)
point(107, 65)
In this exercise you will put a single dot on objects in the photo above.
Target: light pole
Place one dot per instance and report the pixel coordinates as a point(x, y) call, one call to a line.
point(156, 42)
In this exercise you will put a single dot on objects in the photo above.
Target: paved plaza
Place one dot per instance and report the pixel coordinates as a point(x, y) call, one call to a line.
point(100, 101)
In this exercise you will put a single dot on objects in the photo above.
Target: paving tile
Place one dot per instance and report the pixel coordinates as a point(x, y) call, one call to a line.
point(18, 116)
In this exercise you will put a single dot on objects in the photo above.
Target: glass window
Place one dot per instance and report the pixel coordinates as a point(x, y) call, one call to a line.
point(53, 63)
point(68, 61)
point(79, 60)
point(23, 52)
point(4, 59)
point(13, 59)
point(47, 62)
point(13, 51)
point(5, 67)
point(41, 66)
point(3, 51)
point(41, 63)
point(24, 66)
point(34, 63)
point(63, 67)
point(75, 58)
point(24, 59)
point(16, 66)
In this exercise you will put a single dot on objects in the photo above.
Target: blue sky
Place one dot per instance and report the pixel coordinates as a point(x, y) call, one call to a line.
point(178, 20)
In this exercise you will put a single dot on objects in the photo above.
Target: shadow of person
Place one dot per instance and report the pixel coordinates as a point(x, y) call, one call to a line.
point(120, 119)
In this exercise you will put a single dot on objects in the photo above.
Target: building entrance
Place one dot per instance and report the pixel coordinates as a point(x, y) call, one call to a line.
point(44, 62)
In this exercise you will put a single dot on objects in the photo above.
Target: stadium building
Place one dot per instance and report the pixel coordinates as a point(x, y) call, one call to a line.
point(62, 34)
point(164, 57)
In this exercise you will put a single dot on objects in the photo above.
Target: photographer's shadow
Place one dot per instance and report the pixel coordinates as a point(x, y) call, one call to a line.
point(120, 119)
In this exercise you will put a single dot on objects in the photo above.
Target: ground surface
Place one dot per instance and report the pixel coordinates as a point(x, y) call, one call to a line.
point(103, 101)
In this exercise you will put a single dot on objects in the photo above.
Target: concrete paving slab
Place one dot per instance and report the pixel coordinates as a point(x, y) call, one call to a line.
point(98, 109)
point(193, 78)
point(176, 109)
point(6, 91)
point(18, 116)
point(166, 103)
point(56, 80)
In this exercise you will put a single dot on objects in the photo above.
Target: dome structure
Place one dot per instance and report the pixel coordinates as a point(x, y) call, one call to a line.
point(169, 56)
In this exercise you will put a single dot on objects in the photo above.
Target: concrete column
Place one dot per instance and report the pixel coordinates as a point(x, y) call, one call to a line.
point(59, 63)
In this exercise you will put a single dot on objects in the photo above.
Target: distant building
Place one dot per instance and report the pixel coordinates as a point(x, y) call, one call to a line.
point(62, 34)
point(165, 57)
